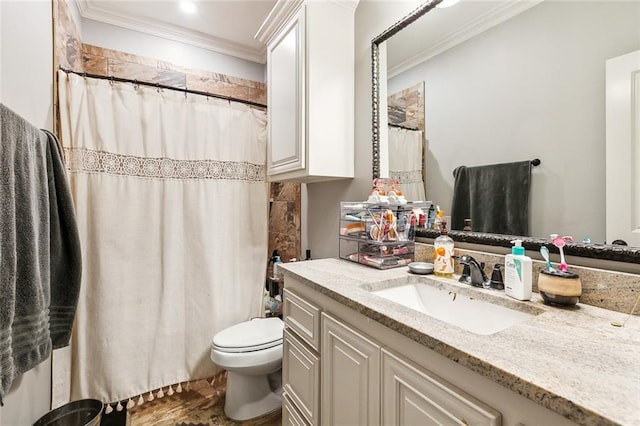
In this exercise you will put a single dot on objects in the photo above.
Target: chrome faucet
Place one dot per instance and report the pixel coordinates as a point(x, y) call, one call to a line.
point(473, 272)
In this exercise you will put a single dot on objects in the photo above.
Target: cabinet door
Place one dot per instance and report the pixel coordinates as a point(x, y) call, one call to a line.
point(301, 376)
point(414, 396)
point(350, 376)
point(286, 98)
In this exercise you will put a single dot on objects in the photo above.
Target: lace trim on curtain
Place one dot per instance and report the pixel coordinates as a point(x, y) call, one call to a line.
point(412, 176)
point(93, 161)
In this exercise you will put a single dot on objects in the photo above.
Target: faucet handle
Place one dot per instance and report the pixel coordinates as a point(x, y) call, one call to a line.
point(496, 277)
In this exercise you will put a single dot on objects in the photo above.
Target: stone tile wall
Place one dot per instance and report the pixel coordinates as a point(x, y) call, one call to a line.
point(284, 220)
point(406, 108)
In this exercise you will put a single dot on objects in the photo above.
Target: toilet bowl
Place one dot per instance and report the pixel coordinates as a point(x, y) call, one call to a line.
point(251, 352)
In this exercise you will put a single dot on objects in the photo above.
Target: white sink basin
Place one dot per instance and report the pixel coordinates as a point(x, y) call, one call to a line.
point(476, 316)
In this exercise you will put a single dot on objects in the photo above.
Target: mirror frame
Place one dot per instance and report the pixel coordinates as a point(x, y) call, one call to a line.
point(595, 251)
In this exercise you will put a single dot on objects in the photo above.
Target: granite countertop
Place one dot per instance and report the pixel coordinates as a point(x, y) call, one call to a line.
point(571, 361)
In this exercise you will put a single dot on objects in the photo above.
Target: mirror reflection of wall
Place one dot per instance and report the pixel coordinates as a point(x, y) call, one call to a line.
point(405, 116)
point(530, 87)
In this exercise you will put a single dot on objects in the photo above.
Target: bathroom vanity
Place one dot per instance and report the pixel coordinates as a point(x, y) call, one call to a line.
point(357, 350)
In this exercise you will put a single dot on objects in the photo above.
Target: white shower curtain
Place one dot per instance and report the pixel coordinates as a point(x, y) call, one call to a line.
point(171, 201)
point(406, 161)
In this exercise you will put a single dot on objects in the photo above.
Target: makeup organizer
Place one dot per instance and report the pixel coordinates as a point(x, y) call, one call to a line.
point(380, 235)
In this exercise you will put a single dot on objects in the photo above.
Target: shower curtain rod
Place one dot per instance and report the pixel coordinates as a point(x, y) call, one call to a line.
point(162, 86)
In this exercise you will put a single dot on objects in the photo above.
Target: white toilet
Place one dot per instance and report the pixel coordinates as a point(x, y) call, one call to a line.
point(251, 352)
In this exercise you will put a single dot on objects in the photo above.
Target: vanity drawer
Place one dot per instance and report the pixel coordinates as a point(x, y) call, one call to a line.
point(290, 414)
point(303, 318)
point(301, 377)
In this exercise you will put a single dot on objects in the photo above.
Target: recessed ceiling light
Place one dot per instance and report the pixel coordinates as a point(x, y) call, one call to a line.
point(188, 7)
point(447, 3)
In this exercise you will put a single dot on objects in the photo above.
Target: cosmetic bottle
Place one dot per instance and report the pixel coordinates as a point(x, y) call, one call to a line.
point(443, 253)
point(277, 275)
point(411, 232)
point(518, 273)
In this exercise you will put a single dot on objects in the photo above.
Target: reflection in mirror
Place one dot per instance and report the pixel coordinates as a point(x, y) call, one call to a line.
point(507, 81)
point(406, 143)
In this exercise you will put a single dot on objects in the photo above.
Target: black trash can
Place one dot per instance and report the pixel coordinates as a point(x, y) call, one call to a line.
point(85, 412)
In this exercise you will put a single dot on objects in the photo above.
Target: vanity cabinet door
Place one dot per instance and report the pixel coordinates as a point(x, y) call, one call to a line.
point(301, 376)
point(412, 395)
point(350, 375)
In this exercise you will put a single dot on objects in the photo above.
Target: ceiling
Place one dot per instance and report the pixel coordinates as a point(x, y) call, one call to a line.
point(224, 26)
point(230, 26)
point(443, 28)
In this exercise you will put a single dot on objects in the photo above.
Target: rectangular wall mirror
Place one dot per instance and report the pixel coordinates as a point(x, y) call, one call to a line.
point(509, 81)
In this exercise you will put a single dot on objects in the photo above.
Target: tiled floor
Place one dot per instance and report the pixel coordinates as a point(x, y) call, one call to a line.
point(201, 405)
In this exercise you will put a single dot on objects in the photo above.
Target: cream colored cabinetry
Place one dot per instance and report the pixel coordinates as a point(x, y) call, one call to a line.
point(310, 89)
point(415, 396)
point(342, 367)
point(301, 377)
point(301, 361)
point(290, 415)
point(351, 388)
point(350, 375)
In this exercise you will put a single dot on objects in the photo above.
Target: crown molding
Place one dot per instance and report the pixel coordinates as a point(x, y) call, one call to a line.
point(349, 4)
point(284, 10)
point(281, 13)
point(172, 32)
point(505, 10)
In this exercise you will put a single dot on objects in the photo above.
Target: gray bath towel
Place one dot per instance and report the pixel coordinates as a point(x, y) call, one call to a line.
point(39, 248)
point(495, 197)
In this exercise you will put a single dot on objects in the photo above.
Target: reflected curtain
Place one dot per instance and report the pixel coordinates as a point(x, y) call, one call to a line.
point(405, 161)
point(171, 199)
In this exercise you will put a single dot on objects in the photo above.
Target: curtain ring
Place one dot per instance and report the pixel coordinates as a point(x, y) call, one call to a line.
point(111, 80)
point(84, 75)
point(158, 87)
point(136, 84)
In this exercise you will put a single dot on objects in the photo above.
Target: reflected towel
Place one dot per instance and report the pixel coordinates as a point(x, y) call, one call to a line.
point(495, 197)
point(39, 248)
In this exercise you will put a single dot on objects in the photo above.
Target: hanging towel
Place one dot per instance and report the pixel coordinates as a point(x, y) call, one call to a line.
point(40, 263)
point(495, 197)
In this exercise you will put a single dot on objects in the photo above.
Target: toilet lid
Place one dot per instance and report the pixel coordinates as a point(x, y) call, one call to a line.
point(259, 333)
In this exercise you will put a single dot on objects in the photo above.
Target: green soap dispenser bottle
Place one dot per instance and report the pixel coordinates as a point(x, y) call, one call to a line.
point(518, 273)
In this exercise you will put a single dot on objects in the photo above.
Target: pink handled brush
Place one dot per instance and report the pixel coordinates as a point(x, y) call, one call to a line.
point(560, 242)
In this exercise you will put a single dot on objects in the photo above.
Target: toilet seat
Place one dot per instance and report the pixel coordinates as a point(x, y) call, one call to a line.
point(249, 336)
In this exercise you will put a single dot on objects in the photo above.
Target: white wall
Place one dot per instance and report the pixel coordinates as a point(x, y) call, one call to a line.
point(532, 87)
point(26, 66)
point(138, 43)
point(372, 18)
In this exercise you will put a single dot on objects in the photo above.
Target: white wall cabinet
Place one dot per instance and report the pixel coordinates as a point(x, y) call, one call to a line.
point(310, 90)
